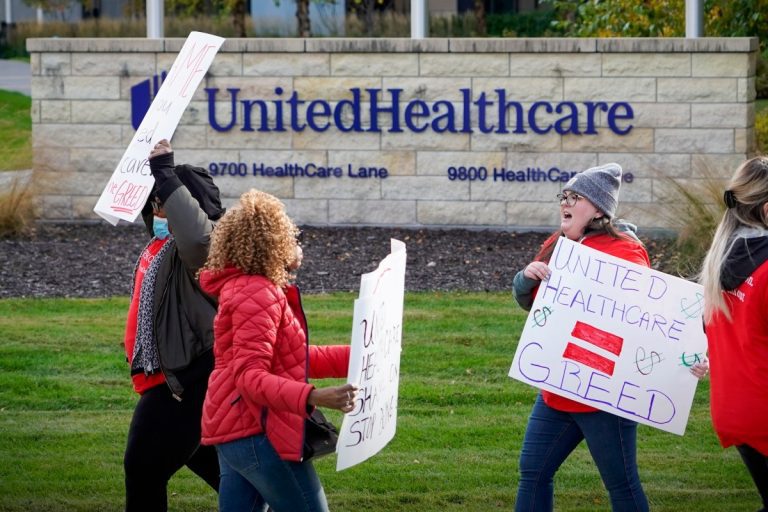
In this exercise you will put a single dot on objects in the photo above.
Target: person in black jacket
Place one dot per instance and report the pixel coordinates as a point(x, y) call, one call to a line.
point(169, 334)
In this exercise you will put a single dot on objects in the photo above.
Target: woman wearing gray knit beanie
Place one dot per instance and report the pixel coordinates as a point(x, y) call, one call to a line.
point(557, 424)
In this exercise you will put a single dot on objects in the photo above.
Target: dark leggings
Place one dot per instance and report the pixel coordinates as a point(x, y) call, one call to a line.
point(164, 436)
point(757, 464)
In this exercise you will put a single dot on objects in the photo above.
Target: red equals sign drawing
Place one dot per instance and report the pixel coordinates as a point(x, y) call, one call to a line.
point(605, 340)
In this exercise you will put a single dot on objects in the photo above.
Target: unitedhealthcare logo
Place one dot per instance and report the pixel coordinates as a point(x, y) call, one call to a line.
point(142, 95)
point(388, 110)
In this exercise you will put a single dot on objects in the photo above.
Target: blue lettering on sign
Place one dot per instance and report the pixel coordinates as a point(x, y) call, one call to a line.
point(349, 170)
point(385, 107)
point(296, 170)
point(525, 175)
point(569, 378)
point(385, 110)
point(141, 97)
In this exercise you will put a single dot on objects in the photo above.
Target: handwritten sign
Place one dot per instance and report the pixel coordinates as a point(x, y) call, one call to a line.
point(374, 363)
point(614, 335)
point(131, 182)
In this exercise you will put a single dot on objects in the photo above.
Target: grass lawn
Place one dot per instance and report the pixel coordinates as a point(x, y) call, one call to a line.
point(65, 405)
point(15, 131)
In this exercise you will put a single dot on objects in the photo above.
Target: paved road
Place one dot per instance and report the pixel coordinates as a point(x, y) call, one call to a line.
point(15, 76)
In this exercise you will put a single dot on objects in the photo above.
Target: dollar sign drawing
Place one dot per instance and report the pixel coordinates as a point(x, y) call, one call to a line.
point(645, 363)
point(540, 316)
point(696, 359)
point(694, 308)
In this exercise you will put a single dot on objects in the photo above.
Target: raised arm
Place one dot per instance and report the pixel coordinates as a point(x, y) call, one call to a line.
point(188, 222)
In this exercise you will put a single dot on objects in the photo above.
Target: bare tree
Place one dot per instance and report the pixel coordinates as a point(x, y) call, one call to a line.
point(237, 8)
point(480, 18)
point(369, 7)
point(365, 9)
point(302, 17)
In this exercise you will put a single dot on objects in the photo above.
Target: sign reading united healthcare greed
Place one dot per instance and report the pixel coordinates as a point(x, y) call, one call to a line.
point(614, 335)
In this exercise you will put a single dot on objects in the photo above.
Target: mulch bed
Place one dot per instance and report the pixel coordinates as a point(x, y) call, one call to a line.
point(97, 260)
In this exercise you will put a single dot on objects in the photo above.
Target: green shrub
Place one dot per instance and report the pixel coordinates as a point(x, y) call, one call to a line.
point(524, 24)
point(761, 76)
point(761, 130)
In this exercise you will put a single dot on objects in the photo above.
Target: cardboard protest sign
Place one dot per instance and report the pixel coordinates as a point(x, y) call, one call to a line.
point(131, 182)
point(614, 335)
point(374, 363)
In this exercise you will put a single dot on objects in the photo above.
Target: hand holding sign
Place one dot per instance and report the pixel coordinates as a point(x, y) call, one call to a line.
point(334, 397)
point(131, 182)
point(161, 148)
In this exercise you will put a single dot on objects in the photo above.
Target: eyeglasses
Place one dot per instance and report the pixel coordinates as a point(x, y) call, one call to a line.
point(156, 205)
point(568, 199)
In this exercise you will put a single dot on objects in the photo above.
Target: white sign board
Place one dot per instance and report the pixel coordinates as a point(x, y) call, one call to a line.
point(374, 362)
point(614, 335)
point(131, 182)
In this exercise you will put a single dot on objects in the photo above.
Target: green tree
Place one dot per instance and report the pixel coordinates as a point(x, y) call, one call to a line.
point(658, 18)
point(234, 8)
point(738, 18)
point(620, 18)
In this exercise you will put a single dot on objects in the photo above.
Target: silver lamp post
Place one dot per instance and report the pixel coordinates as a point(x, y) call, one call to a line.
point(419, 19)
point(155, 19)
point(694, 18)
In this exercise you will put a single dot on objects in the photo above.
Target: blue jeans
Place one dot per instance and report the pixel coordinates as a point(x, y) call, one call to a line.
point(253, 476)
point(550, 438)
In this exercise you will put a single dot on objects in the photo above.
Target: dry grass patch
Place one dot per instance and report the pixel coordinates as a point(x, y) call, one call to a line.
point(692, 209)
point(17, 207)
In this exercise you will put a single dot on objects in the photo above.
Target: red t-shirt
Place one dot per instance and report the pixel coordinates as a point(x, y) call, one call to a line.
point(626, 249)
point(738, 360)
point(141, 382)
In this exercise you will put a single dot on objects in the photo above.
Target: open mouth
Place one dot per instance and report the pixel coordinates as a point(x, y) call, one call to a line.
point(566, 216)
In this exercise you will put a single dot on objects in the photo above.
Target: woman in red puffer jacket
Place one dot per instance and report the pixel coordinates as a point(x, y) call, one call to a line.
point(258, 395)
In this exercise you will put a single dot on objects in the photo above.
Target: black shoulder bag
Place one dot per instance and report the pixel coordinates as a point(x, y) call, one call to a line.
point(320, 436)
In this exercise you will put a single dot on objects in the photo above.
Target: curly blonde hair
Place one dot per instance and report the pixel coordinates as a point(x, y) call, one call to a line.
point(257, 237)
